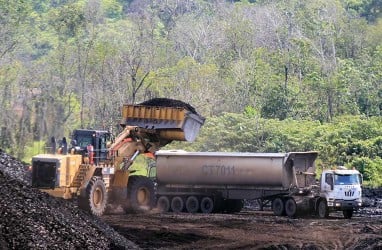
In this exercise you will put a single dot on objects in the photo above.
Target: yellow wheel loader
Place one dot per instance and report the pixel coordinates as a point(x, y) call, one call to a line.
point(98, 174)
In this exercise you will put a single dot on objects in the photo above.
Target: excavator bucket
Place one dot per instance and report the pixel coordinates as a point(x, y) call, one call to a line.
point(171, 123)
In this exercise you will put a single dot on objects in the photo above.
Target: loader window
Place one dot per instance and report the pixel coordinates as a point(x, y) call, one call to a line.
point(83, 142)
point(348, 179)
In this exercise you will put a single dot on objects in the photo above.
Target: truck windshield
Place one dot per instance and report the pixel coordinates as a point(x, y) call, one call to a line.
point(348, 179)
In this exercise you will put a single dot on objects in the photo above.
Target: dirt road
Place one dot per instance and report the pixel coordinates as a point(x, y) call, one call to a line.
point(247, 230)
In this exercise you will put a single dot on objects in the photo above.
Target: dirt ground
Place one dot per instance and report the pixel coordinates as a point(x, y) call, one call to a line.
point(248, 230)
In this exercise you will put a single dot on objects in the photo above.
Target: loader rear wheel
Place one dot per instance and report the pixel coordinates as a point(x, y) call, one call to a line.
point(95, 197)
point(140, 193)
point(177, 204)
point(192, 204)
point(278, 207)
point(291, 207)
point(163, 204)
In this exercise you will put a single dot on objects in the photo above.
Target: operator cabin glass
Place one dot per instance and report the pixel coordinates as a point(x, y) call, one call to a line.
point(84, 141)
point(348, 179)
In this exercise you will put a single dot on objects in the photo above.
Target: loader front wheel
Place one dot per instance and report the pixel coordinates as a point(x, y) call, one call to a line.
point(95, 197)
point(140, 193)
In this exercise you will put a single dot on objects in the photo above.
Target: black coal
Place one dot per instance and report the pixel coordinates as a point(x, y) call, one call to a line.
point(31, 219)
point(166, 102)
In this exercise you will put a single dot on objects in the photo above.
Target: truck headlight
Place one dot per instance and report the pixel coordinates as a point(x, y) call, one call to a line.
point(338, 204)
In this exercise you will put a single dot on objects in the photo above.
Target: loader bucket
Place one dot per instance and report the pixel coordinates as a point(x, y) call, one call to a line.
point(171, 123)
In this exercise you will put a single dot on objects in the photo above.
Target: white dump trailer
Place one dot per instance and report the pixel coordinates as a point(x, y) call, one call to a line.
point(219, 182)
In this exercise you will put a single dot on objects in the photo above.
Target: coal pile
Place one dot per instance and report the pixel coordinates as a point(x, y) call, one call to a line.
point(15, 168)
point(371, 202)
point(31, 219)
point(166, 102)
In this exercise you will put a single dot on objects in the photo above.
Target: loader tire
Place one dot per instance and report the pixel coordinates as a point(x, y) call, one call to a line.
point(140, 194)
point(94, 198)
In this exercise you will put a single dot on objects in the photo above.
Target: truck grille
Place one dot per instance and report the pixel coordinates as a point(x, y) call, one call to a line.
point(349, 193)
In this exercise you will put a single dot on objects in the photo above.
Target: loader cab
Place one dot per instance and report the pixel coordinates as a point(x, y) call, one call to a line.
point(98, 139)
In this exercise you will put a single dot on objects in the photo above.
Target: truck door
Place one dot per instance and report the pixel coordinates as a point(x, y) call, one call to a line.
point(328, 186)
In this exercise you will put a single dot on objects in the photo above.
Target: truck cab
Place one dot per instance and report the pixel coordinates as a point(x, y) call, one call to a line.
point(340, 191)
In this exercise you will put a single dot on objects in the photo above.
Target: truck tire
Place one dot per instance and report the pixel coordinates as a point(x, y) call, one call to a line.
point(192, 204)
point(291, 207)
point(140, 193)
point(206, 205)
point(323, 210)
point(278, 207)
point(95, 197)
point(348, 214)
point(177, 204)
point(163, 204)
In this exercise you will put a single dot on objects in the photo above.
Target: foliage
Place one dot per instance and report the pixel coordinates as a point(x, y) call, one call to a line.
point(306, 74)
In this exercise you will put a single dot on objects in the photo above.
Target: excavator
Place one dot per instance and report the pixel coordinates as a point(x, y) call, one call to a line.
point(95, 169)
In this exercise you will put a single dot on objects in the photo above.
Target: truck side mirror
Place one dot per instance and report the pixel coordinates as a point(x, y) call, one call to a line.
point(360, 178)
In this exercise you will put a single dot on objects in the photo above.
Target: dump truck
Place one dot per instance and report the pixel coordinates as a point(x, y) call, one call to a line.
point(95, 169)
point(219, 182)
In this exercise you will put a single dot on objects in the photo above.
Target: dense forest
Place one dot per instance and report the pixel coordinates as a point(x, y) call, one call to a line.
point(269, 76)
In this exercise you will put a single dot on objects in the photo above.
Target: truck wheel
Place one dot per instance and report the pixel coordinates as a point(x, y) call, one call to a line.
point(348, 214)
point(163, 204)
point(206, 205)
point(140, 193)
point(95, 197)
point(323, 211)
point(192, 204)
point(278, 207)
point(291, 207)
point(177, 204)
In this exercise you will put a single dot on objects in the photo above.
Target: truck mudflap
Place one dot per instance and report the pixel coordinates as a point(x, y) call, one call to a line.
point(344, 204)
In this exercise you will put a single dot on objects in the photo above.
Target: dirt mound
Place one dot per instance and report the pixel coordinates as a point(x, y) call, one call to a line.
point(166, 102)
point(30, 219)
